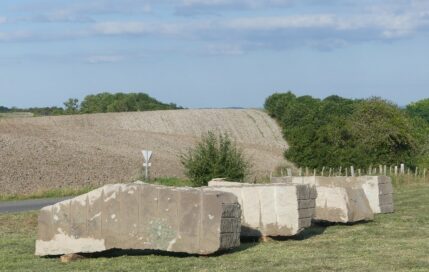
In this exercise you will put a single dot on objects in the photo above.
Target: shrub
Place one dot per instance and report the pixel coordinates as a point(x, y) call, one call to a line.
point(335, 131)
point(214, 157)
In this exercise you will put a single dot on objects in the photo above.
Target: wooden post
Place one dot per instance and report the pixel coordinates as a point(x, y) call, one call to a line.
point(323, 170)
point(340, 172)
point(402, 169)
point(330, 171)
point(385, 170)
point(347, 172)
point(380, 169)
point(396, 170)
point(300, 171)
point(352, 171)
point(289, 172)
point(306, 171)
point(359, 172)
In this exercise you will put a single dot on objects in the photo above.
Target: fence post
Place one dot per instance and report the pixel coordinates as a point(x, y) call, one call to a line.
point(300, 172)
point(289, 172)
point(402, 168)
point(323, 170)
point(330, 171)
point(352, 171)
point(396, 170)
point(359, 172)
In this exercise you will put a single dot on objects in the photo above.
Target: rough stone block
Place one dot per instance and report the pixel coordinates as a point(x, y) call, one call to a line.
point(141, 216)
point(338, 200)
point(271, 210)
point(379, 191)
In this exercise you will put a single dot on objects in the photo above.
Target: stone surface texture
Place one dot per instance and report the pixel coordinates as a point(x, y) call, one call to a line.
point(140, 216)
point(271, 209)
point(338, 200)
point(379, 191)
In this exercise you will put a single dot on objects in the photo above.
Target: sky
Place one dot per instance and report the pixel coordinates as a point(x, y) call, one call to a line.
point(213, 53)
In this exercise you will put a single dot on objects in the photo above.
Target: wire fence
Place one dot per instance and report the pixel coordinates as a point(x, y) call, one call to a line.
point(400, 173)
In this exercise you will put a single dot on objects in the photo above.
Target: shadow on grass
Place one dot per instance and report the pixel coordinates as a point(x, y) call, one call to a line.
point(114, 253)
point(307, 233)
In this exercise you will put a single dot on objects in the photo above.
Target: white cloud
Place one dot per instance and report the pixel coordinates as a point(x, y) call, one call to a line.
point(234, 3)
point(104, 59)
point(273, 23)
point(15, 36)
point(225, 49)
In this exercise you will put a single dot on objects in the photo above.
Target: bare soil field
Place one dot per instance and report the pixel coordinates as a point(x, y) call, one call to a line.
point(44, 153)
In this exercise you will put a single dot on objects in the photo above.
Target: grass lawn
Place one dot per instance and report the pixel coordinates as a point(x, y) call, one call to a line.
point(393, 242)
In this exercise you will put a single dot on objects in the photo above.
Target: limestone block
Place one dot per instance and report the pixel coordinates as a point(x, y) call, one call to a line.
point(338, 200)
point(140, 216)
point(271, 210)
point(379, 191)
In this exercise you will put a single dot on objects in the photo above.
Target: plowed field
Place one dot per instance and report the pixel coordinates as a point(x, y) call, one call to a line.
point(42, 153)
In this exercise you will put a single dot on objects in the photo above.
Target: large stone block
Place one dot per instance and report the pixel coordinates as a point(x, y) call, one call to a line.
point(379, 191)
point(141, 216)
point(337, 200)
point(271, 209)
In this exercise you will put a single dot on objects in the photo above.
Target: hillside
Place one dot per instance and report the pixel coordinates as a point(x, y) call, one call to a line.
point(65, 151)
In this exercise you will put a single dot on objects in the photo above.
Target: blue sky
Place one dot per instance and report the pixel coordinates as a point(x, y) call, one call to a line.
point(213, 53)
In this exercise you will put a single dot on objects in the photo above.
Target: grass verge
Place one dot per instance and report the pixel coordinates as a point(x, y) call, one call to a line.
point(167, 181)
point(392, 242)
point(48, 194)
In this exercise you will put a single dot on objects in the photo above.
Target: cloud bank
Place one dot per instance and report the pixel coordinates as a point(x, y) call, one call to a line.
point(239, 26)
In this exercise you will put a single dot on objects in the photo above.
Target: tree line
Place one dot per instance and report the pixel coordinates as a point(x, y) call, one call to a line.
point(98, 103)
point(336, 131)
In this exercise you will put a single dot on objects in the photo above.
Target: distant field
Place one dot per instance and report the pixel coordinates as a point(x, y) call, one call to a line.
point(15, 114)
point(45, 153)
point(393, 242)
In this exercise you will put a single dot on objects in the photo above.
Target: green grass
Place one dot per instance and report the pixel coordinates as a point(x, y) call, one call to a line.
point(48, 194)
point(171, 181)
point(82, 190)
point(392, 242)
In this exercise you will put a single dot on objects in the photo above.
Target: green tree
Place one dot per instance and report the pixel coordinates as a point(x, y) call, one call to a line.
point(215, 157)
point(336, 131)
point(420, 109)
point(71, 106)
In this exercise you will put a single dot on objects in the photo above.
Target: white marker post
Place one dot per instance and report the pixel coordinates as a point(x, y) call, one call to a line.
point(147, 154)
